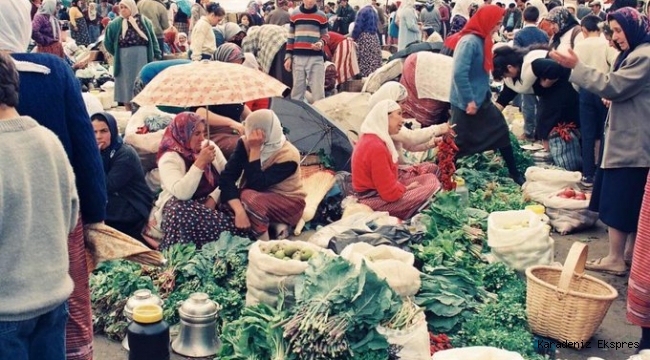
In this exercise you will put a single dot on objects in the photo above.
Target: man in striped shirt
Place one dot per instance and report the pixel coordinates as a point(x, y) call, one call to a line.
point(307, 37)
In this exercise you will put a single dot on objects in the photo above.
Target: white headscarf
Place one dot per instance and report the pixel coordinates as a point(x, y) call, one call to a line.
point(131, 20)
point(250, 61)
point(462, 8)
point(48, 7)
point(406, 5)
point(391, 90)
point(16, 32)
point(274, 138)
point(376, 122)
point(539, 4)
point(15, 25)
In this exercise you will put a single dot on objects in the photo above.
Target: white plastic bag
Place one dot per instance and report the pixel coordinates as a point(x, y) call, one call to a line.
point(542, 183)
point(388, 262)
point(520, 239)
point(476, 353)
point(267, 275)
point(569, 215)
point(414, 341)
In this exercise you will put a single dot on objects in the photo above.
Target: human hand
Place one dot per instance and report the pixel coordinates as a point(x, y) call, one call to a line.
point(547, 83)
point(318, 46)
point(471, 108)
point(607, 103)
point(242, 221)
point(569, 60)
point(238, 127)
point(287, 65)
point(255, 139)
point(206, 156)
point(413, 185)
point(210, 203)
point(445, 128)
point(435, 142)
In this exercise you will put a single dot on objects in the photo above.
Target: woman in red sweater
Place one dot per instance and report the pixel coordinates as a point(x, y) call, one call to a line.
point(374, 167)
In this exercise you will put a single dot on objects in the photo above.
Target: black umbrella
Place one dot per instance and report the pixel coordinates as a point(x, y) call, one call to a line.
point(312, 132)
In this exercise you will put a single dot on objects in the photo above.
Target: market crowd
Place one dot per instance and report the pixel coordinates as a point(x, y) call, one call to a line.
point(579, 74)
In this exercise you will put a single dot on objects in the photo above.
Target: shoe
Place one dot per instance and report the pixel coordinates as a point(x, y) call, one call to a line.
point(587, 181)
point(595, 265)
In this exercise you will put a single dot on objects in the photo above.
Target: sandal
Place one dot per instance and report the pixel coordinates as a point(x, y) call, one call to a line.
point(595, 265)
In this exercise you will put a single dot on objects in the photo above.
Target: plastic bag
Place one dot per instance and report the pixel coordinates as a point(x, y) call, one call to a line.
point(358, 221)
point(388, 262)
point(566, 154)
point(398, 236)
point(476, 353)
point(267, 275)
point(520, 239)
point(413, 341)
point(569, 215)
point(542, 183)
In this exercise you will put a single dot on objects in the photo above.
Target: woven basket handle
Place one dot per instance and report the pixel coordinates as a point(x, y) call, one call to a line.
point(574, 264)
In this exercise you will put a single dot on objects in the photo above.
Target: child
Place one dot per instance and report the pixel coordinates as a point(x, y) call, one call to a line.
point(307, 36)
point(38, 210)
point(593, 51)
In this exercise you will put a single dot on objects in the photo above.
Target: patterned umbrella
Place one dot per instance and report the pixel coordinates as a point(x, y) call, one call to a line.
point(208, 83)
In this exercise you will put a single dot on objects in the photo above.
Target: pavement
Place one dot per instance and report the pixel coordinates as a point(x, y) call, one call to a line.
point(614, 328)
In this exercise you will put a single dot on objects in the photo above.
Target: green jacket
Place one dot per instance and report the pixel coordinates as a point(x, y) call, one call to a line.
point(112, 36)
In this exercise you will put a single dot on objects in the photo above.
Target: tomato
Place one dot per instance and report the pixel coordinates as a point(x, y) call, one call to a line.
point(581, 196)
point(569, 192)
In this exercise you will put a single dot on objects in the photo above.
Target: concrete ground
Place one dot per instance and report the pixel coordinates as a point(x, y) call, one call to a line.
point(614, 327)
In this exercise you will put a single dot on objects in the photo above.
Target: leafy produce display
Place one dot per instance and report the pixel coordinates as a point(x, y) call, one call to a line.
point(218, 269)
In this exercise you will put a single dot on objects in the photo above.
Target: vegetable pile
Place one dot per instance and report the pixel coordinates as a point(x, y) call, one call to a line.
point(570, 193)
point(447, 150)
point(286, 252)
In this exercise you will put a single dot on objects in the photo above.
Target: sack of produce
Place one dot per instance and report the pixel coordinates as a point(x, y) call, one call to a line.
point(273, 266)
point(476, 353)
point(407, 330)
point(568, 211)
point(542, 183)
point(519, 239)
point(388, 262)
point(565, 147)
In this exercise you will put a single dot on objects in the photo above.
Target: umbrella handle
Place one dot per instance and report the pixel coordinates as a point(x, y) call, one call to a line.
point(207, 125)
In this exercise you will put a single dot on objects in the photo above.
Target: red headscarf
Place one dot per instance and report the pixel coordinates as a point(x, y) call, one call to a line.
point(481, 24)
point(177, 139)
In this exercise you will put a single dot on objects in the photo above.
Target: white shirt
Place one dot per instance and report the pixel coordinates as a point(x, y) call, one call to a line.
point(595, 52)
point(203, 40)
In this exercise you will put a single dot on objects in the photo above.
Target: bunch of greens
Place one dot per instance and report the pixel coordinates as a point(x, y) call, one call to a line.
point(218, 269)
point(338, 309)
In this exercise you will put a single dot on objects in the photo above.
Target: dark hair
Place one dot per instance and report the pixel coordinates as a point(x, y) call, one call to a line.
point(216, 9)
point(621, 4)
point(590, 23)
point(553, 4)
point(248, 16)
point(511, 6)
point(9, 81)
point(504, 56)
point(531, 14)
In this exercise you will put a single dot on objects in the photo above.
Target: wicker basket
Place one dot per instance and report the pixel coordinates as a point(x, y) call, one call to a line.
point(564, 303)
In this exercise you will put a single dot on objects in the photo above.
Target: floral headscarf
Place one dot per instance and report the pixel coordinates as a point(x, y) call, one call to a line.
point(229, 53)
point(636, 28)
point(564, 20)
point(177, 139)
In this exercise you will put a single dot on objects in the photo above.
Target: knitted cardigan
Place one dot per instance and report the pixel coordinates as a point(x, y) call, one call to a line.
point(112, 37)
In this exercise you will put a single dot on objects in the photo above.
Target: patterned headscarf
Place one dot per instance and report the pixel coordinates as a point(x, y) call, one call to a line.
point(481, 24)
point(177, 139)
point(564, 20)
point(229, 53)
point(636, 28)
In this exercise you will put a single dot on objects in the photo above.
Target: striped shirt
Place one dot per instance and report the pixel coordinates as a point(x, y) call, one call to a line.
point(307, 27)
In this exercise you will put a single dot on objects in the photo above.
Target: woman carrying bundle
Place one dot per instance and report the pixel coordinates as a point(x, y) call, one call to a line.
point(270, 191)
point(375, 176)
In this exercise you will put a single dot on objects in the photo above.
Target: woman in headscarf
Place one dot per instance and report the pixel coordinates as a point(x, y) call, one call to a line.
point(460, 15)
point(78, 24)
point(46, 31)
point(407, 21)
point(230, 53)
point(270, 190)
point(254, 12)
point(229, 33)
point(367, 39)
point(129, 197)
point(480, 126)
point(375, 176)
point(47, 82)
point(410, 140)
point(621, 178)
point(427, 111)
point(190, 171)
point(565, 29)
point(93, 20)
point(132, 42)
point(182, 43)
point(171, 40)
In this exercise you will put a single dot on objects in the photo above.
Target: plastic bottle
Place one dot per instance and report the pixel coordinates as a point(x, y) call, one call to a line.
point(148, 334)
point(462, 191)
